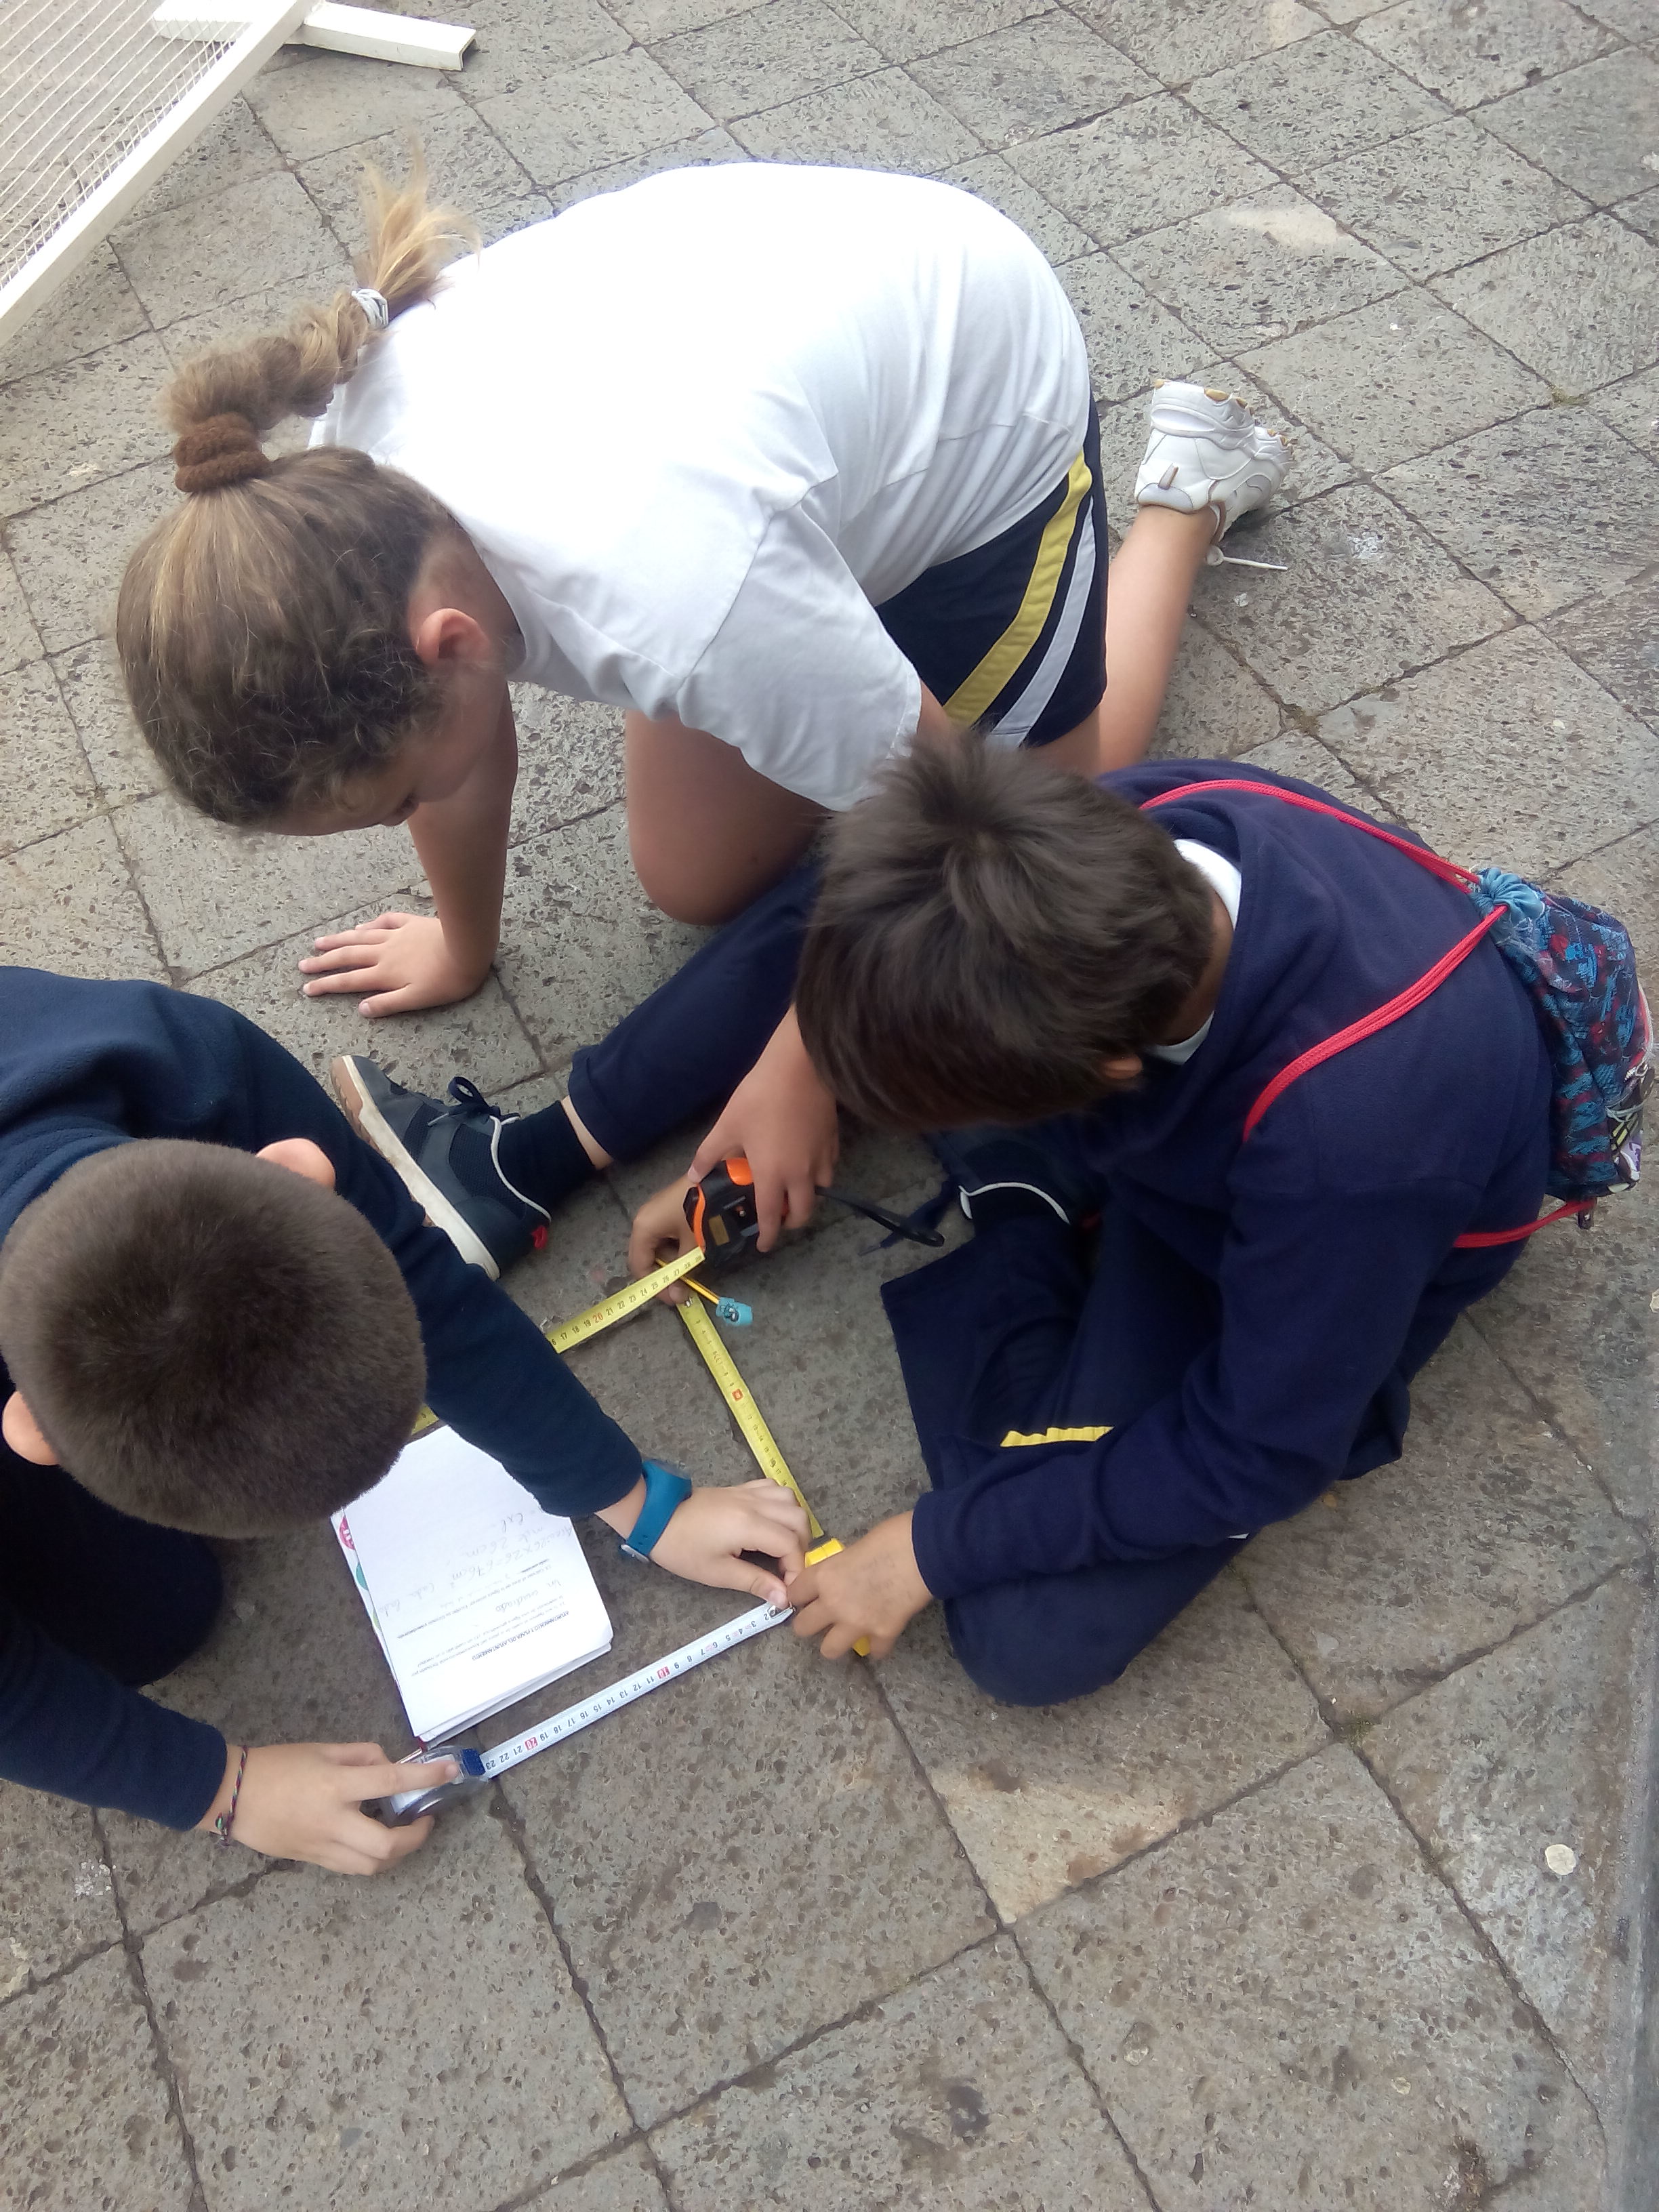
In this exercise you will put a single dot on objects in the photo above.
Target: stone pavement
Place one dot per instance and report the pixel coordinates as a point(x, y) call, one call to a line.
point(1270, 1922)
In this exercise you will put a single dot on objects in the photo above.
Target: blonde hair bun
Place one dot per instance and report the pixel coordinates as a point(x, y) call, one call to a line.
point(222, 450)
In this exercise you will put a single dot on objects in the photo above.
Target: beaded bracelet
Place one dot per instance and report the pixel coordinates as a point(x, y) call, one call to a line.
point(221, 1826)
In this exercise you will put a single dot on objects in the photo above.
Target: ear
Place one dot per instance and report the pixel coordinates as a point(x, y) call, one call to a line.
point(447, 634)
point(1114, 1074)
point(22, 1432)
point(302, 1158)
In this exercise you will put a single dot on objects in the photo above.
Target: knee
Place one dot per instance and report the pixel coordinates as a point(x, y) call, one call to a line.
point(678, 889)
point(1020, 1655)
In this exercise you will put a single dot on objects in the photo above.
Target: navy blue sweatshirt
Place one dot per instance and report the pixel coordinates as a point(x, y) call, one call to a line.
point(1328, 1234)
point(84, 1066)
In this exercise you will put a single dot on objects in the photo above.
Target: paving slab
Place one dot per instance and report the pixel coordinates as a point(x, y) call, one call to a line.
point(1284, 2006)
point(777, 52)
point(1215, 709)
point(68, 903)
point(625, 2182)
point(1142, 167)
point(93, 418)
point(903, 29)
point(1178, 41)
point(1468, 55)
point(1617, 639)
point(570, 760)
point(992, 178)
point(1595, 127)
point(697, 152)
point(96, 307)
point(59, 1903)
point(1560, 506)
point(1436, 198)
point(234, 148)
point(578, 119)
point(1525, 1752)
point(650, 19)
point(1258, 268)
point(1508, 755)
point(1366, 595)
point(1642, 213)
point(1034, 76)
point(1131, 338)
point(961, 2092)
point(20, 640)
point(42, 762)
point(881, 122)
point(1313, 102)
point(84, 2124)
point(215, 893)
point(1295, 753)
point(1396, 380)
point(70, 554)
point(1487, 1524)
point(320, 101)
point(262, 233)
point(89, 680)
point(467, 166)
point(1045, 1798)
point(519, 42)
point(1633, 408)
point(1580, 304)
point(380, 2044)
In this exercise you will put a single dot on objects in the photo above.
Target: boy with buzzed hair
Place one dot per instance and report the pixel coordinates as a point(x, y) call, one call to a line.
point(218, 1312)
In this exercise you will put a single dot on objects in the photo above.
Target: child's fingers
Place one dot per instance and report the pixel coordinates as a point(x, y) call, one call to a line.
point(812, 1616)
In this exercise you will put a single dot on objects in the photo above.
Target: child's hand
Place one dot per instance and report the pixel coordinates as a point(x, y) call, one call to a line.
point(705, 1535)
point(401, 960)
point(661, 1232)
point(302, 1800)
point(784, 1119)
point(873, 1589)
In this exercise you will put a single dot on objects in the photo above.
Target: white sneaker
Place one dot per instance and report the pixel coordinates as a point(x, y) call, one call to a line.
point(1206, 450)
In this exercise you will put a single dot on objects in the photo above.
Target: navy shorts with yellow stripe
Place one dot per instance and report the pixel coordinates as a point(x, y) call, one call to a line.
point(1012, 636)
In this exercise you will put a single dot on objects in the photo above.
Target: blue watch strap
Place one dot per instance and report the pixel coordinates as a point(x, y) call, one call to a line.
point(666, 1490)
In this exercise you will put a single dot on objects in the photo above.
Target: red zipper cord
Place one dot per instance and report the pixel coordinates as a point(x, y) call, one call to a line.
point(1447, 870)
point(1583, 1207)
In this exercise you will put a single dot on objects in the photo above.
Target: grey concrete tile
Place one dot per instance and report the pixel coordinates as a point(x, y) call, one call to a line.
point(989, 177)
point(940, 2096)
point(233, 149)
point(581, 943)
point(1442, 196)
point(415, 2039)
point(1523, 1749)
point(763, 1791)
point(1313, 102)
point(1580, 305)
point(70, 904)
point(1622, 877)
point(1617, 639)
point(578, 119)
point(467, 166)
point(1179, 41)
point(624, 2183)
point(1395, 378)
point(95, 307)
point(1045, 1800)
point(1320, 2025)
point(880, 122)
point(323, 100)
point(1633, 408)
point(1034, 77)
point(519, 42)
point(49, 786)
point(650, 19)
point(1258, 268)
point(123, 765)
point(1468, 55)
point(1131, 338)
point(776, 53)
point(1295, 753)
point(1642, 213)
point(1602, 1397)
point(1145, 165)
point(216, 893)
point(1596, 128)
point(1215, 709)
point(91, 418)
point(1364, 596)
point(903, 29)
point(20, 640)
point(1507, 755)
point(570, 760)
point(57, 1904)
point(83, 2110)
point(697, 153)
point(253, 236)
point(482, 1036)
point(1486, 1524)
point(69, 555)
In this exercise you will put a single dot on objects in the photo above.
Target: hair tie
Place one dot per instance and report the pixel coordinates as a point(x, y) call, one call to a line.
point(374, 306)
point(220, 450)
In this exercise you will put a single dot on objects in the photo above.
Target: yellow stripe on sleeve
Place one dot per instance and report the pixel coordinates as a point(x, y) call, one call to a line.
point(971, 698)
point(1086, 1435)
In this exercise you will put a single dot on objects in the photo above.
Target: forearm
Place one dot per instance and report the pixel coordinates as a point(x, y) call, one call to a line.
point(462, 843)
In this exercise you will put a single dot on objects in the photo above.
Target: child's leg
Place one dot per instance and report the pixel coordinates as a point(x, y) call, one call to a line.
point(707, 832)
point(134, 1599)
point(1149, 586)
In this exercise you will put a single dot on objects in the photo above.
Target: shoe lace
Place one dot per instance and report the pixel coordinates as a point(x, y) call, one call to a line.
point(465, 1092)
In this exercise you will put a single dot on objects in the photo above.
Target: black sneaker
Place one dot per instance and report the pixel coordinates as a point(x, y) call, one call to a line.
point(984, 1159)
point(448, 1158)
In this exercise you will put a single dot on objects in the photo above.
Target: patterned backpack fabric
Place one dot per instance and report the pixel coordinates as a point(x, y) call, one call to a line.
point(1578, 969)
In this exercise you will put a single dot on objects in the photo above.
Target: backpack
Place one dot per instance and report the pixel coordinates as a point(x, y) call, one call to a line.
point(1576, 966)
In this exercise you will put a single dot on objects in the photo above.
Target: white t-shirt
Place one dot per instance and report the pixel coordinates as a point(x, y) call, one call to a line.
point(1223, 878)
point(696, 428)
